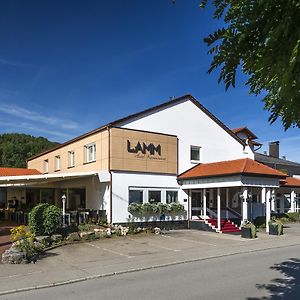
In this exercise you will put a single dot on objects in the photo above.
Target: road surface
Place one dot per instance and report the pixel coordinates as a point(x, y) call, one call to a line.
point(267, 274)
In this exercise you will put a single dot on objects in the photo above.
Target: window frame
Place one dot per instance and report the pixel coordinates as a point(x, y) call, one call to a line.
point(57, 163)
point(87, 147)
point(141, 190)
point(171, 191)
point(155, 190)
point(71, 163)
point(199, 148)
point(46, 166)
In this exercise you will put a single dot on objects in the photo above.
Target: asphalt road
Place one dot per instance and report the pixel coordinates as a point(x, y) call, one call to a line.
point(268, 274)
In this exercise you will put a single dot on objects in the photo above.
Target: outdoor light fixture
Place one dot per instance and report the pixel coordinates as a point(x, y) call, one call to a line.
point(63, 199)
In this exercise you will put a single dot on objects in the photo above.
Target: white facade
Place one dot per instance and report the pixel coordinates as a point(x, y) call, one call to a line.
point(193, 127)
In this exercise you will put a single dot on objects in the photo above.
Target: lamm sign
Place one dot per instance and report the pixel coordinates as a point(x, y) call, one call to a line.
point(143, 150)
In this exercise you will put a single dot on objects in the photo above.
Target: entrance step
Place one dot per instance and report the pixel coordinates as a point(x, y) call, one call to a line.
point(227, 226)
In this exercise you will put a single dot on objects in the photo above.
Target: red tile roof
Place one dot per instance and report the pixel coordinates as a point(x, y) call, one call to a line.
point(231, 167)
point(18, 172)
point(290, 182)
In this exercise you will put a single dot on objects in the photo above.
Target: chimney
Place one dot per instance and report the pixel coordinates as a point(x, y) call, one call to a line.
point(274, 149)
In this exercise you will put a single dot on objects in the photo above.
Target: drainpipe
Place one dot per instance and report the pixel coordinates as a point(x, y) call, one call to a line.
point(110, 175)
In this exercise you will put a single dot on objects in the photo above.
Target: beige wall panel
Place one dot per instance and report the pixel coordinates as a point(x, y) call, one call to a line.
point(172, 153)
point(136, 165)
point(163, 158)
point(101, 140)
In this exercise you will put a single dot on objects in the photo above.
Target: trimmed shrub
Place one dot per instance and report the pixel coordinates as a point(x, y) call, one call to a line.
point(36, 219)
point(52, 219)
point(44, 219)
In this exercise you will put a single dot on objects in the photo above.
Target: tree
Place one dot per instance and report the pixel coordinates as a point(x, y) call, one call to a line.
point(263, 39)
point(16, 148)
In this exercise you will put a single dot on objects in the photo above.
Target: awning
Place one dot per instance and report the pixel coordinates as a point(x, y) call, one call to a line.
point(24, 180)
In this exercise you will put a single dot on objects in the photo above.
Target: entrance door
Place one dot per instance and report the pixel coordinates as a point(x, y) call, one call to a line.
point(197, 205)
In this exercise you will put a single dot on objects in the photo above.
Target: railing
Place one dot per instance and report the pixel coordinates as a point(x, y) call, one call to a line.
point(234, 212)
point(227, 213)
point(211, 213)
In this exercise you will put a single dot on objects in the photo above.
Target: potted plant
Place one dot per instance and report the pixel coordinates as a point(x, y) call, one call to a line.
point(275, 227)
point(248, 230)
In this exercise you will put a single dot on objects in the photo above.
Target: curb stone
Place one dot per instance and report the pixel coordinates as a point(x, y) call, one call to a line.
point(110, 274)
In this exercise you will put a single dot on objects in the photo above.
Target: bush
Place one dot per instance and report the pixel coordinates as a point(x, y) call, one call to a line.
point(85, 227)
point(177, 207)
point(135, 208)
point(293, 216)
point(44, 219)
point(24, 241)
point(52, 219)
point(155, 208)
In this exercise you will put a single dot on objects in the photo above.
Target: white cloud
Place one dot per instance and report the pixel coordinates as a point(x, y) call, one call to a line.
point(23, 113)
point(31, 129)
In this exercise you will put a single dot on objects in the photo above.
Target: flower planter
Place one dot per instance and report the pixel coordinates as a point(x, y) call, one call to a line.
point(246, 233)
point(275, 229)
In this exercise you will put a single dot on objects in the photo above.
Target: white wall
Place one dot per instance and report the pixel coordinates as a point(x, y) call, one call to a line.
point(192, 127)
point(121, 182)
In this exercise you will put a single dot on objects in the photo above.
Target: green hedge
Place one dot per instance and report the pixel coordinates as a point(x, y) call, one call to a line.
point(44, 219)
point(155, 208)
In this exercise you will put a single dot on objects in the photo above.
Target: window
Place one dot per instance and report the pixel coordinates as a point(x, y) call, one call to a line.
point(71, 159)
point(195, 153)
point(90, 152)
point(135, 196)
point(171, 196)
point(57, 163)
point(154, 196)
point(46, 166)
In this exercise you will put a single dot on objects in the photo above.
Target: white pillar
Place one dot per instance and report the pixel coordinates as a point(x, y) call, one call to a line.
point(293, 203)
point(219, 207)
point(204, 202)
point(268, 209)
point(263, 195)
point(190, 204)
point(273, 201)
point(245, 204)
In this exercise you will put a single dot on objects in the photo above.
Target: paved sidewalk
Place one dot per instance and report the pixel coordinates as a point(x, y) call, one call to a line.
point(132, 253)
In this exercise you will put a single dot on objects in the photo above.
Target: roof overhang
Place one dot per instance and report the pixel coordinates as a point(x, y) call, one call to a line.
point(25, 180)
point(238, 180)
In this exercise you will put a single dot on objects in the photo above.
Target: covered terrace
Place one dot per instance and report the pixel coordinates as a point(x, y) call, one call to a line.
point(237, 189)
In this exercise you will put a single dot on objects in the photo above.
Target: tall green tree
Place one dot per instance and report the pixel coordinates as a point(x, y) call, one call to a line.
point(262, 38)
point(16, 148)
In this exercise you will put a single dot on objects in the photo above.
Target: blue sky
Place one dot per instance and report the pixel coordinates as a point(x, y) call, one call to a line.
point(67, 67)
